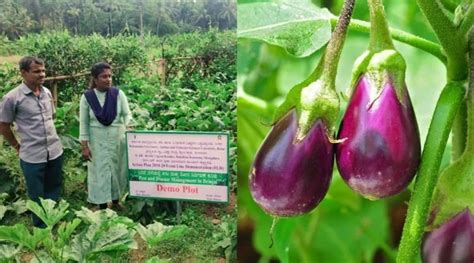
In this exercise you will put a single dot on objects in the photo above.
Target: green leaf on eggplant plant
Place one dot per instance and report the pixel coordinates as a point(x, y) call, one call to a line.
point(157, 232)
point(48, 211)
point(156, 259)
point(19, 206)
point(8, 251)
point(65, 231)
point(100, 239)
point(19, 234)
point(300, 27)
point(3, 210)
point(355, 230)
point(102, 216)
point(42, 256)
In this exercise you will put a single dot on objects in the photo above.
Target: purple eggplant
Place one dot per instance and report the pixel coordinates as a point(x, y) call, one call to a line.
point(381, 151)
point(289, 178)
point(452, 242)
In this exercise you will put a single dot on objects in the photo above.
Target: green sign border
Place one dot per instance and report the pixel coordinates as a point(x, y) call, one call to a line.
point(226, 133)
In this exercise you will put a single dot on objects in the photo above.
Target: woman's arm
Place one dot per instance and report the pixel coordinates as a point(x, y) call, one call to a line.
point(84, 128)
point(127, 115)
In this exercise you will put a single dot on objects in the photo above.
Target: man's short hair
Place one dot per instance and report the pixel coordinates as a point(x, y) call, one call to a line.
point(25, 62)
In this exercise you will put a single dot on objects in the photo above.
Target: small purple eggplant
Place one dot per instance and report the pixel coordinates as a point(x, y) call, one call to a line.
point(380, 152)
point(289, 178)
point(452, 242)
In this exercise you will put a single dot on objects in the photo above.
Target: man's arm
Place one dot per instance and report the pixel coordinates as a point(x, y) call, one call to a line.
point(6, 131)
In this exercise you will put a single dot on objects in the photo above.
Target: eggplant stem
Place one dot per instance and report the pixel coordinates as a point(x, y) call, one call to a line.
point(275, 220)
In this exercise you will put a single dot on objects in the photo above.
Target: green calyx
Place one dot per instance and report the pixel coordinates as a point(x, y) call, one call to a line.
point(318, 100)
point(455, 190)
point(386, 66)
point(313, 100)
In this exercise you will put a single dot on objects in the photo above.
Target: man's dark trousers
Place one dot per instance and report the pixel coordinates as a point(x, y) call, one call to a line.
point(43, 180)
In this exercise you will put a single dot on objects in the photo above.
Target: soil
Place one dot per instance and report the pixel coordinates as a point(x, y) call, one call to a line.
point(139, 255)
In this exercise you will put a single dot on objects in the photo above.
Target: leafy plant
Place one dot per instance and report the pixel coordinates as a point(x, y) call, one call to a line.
point(157, 232)
point(226, 238)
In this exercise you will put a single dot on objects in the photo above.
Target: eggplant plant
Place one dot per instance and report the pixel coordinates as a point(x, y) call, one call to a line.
point(407, 89)
point(90, 236)
point(293, 167)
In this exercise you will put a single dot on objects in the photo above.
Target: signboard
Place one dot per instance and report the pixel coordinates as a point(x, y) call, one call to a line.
point(179, 165)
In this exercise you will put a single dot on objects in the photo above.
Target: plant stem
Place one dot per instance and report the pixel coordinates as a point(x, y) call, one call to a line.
point(459, 132)
point(334, 48)
point(148, 248)
point(468, 21)
point(438, 133)
point(470, 98)
point(379, 34)
point(402, 36)
point(452, 40)
point(37, 257)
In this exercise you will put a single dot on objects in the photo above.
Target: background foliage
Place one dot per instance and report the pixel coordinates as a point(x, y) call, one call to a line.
point(110, 18)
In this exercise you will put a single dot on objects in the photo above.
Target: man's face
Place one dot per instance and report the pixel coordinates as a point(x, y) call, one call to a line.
point(35, 76)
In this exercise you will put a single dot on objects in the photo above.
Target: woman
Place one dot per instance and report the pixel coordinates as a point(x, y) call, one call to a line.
point(104, 116)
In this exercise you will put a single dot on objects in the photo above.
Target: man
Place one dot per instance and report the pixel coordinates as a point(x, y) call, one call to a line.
point(30, 106)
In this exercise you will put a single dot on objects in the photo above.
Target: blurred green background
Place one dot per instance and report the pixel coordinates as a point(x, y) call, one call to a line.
point(344, 227)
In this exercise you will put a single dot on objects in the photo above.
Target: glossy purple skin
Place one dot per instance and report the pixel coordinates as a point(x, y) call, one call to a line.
point(452, 242)
point(290, 179)
point(382, 151)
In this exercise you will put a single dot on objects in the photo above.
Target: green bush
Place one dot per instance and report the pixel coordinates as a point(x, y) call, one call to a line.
point(66, 55)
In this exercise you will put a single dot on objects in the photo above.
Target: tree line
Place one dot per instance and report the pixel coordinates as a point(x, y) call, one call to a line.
point(112, 17)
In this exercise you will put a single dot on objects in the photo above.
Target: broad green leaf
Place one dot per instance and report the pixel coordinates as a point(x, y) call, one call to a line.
point(156, 259)
point(96, 217)
point(48, 212)
point(65, 231)
point(116, 238)
point(157, 232)
point(250, 133)
point(8, 251)
point(19, 234)
point(282, 236)
point(340, 193)
point(79, 246)
point(355, 232)
point(298, 26)
point(19, 206)
point(3, 210)
point(97, 239)
point(3, 197)
point(42, 257)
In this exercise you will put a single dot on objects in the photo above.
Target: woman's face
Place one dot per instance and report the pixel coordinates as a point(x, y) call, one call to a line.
point(104, 80)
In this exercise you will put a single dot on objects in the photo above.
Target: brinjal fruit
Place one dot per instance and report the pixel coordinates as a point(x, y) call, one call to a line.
point(452, 242)
point(380, 149)
point(290, 177)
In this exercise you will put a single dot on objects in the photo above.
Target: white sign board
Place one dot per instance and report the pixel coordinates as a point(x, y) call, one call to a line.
point(179, 165)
